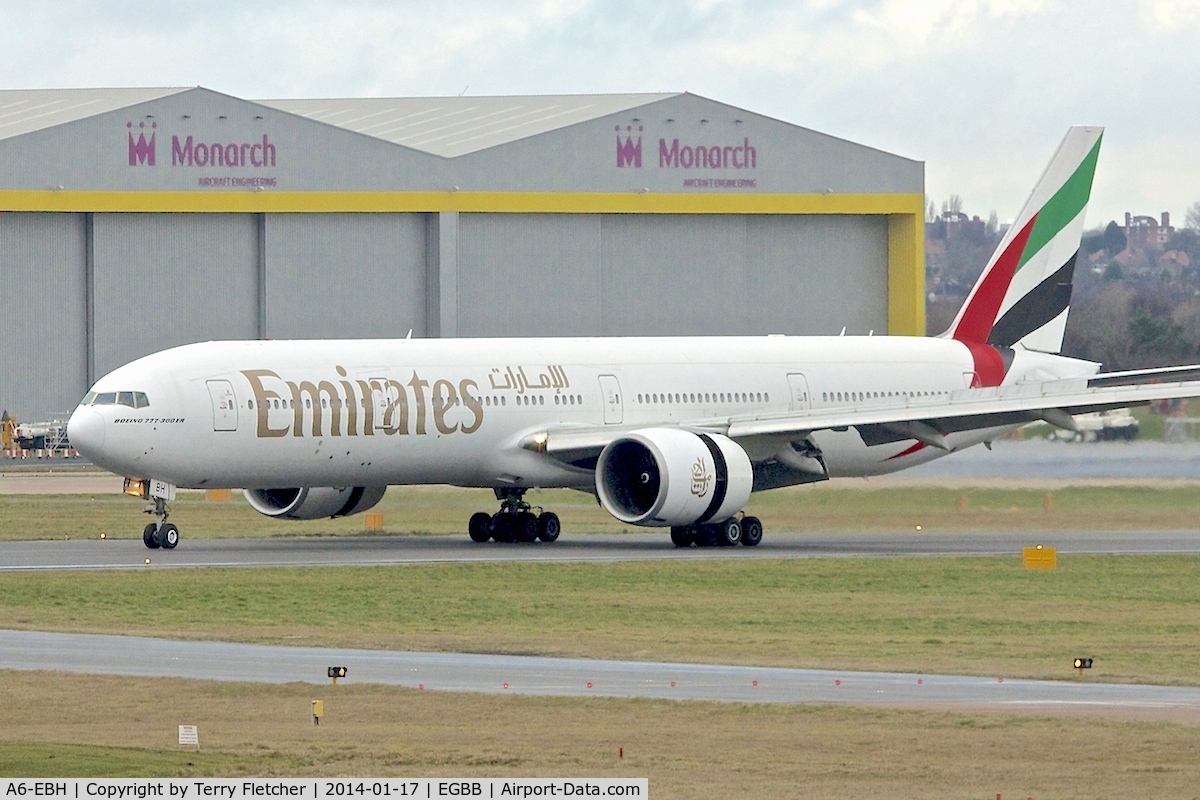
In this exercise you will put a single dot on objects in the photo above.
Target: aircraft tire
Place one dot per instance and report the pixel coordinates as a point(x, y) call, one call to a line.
point(681, 536)
point(526, 527)
point(729, 533)
point(150, 536)
point(480, 527)
point(502, 527)
point(752, 531)
point(549, 527)
point(168, 536)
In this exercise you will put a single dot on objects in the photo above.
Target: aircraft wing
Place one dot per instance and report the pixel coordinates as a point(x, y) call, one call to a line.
point(927, 420)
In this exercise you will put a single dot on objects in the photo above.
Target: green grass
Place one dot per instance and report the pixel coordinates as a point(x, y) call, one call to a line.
point(1138, 616)
point(444, 510)
point(54, 725)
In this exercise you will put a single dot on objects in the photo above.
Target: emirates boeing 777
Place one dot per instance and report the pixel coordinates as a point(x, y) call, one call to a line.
point(666, 432)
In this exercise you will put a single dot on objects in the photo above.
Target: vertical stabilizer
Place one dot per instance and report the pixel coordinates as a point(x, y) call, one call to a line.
point(1024, 294)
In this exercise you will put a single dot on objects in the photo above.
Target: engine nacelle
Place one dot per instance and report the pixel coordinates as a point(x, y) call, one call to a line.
point(314, 503)
point(668, 476)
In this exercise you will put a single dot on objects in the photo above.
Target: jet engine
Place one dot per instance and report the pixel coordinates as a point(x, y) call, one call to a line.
point(668, 476)
point(314, 503)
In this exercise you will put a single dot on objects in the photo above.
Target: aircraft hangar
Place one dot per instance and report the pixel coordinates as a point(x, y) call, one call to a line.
point(132, 220)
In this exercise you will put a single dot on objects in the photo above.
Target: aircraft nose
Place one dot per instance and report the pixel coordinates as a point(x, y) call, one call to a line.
point(85, 430)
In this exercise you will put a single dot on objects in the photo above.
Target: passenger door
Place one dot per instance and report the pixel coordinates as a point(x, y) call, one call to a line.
point(224, 404)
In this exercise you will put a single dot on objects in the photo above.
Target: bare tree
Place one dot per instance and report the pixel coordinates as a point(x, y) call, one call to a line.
point(953, 206)
point(1192, 220)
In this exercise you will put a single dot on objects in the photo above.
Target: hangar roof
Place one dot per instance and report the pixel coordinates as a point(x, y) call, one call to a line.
point(28, 110)
point(443, 126)
point(454, 126)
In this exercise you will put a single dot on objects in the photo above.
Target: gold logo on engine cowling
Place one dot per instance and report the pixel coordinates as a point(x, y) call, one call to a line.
point(701, 478)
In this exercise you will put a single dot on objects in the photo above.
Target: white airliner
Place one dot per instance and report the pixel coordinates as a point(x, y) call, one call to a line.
point(666, 432)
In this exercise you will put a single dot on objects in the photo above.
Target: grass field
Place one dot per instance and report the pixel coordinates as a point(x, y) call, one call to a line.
point(106, 726)
point(444, 510)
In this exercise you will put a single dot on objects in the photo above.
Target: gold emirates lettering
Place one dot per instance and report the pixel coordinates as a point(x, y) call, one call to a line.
point(362, 407)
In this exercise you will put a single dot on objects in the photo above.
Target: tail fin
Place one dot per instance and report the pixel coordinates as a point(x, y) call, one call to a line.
point(1024, 294)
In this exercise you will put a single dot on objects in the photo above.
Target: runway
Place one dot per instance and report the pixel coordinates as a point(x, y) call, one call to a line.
point(144, 657)
point(293, 551)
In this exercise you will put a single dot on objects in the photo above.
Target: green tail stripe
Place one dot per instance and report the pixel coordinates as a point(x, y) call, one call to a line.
point(1063, 207)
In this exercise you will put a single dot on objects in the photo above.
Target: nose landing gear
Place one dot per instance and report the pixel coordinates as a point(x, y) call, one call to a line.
point(160, 533)
point(516, 521)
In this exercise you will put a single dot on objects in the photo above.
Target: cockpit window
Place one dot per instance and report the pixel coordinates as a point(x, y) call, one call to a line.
point(130, 399)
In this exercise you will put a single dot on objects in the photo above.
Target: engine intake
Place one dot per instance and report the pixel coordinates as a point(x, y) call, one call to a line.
point(667, 476)
point(314, 503)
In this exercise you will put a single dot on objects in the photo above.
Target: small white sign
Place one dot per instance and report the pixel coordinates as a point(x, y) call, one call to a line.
point(188, 734)
point(162, 489)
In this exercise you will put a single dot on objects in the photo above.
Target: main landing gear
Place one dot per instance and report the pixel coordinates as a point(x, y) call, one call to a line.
point(746, 531)
point(515, 521)
point(160, 533)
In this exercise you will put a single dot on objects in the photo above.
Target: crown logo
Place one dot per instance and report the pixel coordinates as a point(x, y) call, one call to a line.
point(629, 151)
point(141, 150)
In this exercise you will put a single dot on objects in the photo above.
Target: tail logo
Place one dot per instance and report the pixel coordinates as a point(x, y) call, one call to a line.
point(1024, 292)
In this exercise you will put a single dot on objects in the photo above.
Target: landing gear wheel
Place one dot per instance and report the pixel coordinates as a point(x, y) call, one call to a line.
point(729, 533)
point(526, 526)
point(480, 527)
point(168, 536)
point(752, 531)
point(681, 536)
point(703, 535)
point(516, 521)
point(150, 536)
point(548, 526)
point(502, 527)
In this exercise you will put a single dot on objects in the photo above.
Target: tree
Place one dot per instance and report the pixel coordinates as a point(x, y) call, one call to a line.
point(1192, 220)
point(953, 206)
point(1093, 241)
point(1114, 239)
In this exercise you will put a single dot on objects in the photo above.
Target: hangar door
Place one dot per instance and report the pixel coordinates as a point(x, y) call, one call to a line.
point(163, 280)
point(43, 320)
point(618, 274)
point(343, 276)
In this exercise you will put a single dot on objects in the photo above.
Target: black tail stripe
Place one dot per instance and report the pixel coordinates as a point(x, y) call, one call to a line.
point(721, 470)
point(1048, 299)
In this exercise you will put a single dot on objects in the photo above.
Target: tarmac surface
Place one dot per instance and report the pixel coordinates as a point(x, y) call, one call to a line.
point(363, 551)
point(145, 657)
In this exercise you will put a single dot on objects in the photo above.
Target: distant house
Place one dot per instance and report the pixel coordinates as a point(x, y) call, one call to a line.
point(1146, 234)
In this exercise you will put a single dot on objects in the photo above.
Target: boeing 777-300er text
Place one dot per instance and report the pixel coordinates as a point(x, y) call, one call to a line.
point(666, 432)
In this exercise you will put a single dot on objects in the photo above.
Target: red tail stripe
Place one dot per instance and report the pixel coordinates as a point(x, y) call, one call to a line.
point(989, 365)
point(980, 314)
